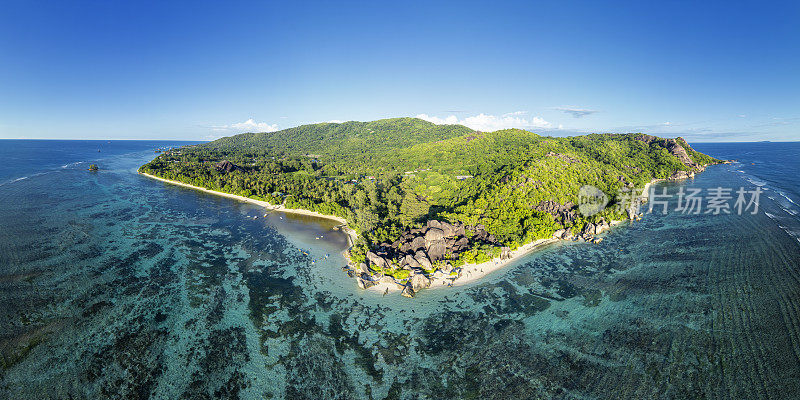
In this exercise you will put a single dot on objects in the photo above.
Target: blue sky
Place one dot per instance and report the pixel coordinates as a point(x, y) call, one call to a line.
point(727, 71)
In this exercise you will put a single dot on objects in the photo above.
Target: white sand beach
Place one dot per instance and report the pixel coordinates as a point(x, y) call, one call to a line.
point(473, 272)
point(469, 272)
point(350, 233)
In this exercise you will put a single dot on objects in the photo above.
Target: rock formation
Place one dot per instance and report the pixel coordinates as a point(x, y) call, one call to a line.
point(436, 242)
point(227, 166)
point(419, 281)
point(674, 147)
point(563, 213)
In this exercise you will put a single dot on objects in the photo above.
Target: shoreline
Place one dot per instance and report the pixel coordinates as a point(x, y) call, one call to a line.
point(469, 272)
point(351, 234)
point(474, 272)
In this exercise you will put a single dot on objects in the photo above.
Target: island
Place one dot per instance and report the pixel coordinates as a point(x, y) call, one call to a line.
point(435, 205)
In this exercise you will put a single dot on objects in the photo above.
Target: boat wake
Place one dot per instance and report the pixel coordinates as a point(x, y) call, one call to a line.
point(65, 166)
point(25, 177)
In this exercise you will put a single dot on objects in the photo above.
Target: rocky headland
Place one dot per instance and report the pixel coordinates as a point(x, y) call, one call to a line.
point(425, 257)
point(437, 205)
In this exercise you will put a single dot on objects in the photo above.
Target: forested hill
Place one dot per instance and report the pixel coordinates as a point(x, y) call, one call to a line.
point(349, 138)
point(390, 177)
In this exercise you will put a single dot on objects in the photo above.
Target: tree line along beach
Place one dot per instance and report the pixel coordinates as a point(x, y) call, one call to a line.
point(438, 205)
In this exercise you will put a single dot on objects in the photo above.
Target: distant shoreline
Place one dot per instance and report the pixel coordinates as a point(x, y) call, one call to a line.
point(351, 235)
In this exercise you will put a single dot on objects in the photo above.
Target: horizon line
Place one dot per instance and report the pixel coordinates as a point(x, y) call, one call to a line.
point(211, 140)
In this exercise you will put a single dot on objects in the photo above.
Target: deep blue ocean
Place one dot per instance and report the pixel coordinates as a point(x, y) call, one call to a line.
point(114, 285)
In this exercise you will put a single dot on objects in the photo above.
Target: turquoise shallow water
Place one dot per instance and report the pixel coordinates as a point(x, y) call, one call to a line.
point(115, 285)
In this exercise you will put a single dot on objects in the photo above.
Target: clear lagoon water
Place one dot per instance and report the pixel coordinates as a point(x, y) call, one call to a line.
point(114, 285)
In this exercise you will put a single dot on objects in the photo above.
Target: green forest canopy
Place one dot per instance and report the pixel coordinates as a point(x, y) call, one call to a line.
point(390, 175)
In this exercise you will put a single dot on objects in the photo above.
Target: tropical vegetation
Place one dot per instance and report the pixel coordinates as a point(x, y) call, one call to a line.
point(388, 176)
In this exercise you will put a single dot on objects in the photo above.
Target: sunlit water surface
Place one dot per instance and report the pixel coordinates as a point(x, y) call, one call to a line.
point(116, 285)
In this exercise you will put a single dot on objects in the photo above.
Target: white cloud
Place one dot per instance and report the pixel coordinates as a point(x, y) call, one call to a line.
point(488, 123)
point(576, 112)
point(247, 126)
point(252, 126)
point(451, 120)
point(212, 137)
